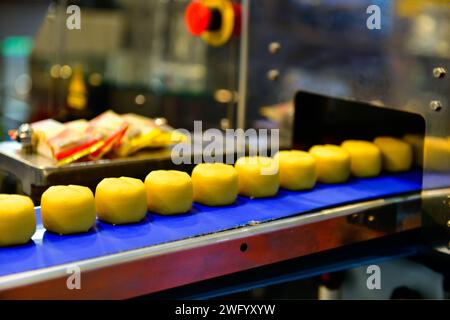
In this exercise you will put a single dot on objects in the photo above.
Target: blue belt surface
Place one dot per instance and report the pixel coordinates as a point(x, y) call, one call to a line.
point(48, 249)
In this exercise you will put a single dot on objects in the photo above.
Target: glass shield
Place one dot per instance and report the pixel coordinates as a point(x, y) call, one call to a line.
point(131, 57)
point(391, 55)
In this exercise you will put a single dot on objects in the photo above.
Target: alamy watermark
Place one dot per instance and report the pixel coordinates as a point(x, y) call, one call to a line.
point(74, 279)
point(374, 20)
point(216, 146)
point(374, 279)
point(73, 21)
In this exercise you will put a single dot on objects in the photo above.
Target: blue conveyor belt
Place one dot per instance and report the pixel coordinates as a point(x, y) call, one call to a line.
point(49, 249)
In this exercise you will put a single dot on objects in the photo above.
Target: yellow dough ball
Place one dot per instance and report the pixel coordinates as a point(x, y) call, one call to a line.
point(417, 143)
point(397, 155)
point(437, 154)
point(365, 158)
point(121, 200)
point(68, 209)
point(258, 177)
point(297, 170)
point(333, 163)
point(17, 220)
point(215, 184)
point(169, 192)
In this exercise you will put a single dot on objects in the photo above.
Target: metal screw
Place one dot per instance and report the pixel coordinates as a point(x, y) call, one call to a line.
point(371, 218)
point(273, 75)
point(160, 121)
point(448, 223)
point(439, 72)
point(25, 137)
point(436, 105)
point(274, 47)
point(253, 223)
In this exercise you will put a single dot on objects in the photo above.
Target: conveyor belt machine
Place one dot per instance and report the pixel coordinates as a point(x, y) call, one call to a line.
point(316, 70)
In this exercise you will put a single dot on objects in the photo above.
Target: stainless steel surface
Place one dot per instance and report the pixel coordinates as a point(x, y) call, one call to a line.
point(36, 173)
point(152, 269)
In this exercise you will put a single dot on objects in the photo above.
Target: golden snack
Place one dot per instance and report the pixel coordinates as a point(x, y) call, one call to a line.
point(121, 200)
point(215, 184)
point(437, 154)
point(397, 155)
point(297, 170)
point(169, 192)
point(365, 158)
point(68, 209)
point(258, 177)
point(417, 143)
point(333, 163)
point(17, 220)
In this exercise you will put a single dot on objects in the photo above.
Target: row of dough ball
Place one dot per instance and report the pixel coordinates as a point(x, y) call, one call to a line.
point(73, 209)
point(433, 153)
point(335, 164)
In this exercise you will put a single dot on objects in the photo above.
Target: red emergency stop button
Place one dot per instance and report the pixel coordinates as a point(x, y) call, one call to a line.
point(198, 18)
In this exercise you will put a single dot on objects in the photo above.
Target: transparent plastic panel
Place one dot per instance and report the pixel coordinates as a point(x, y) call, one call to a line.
point(331, 48)
point(134, 56)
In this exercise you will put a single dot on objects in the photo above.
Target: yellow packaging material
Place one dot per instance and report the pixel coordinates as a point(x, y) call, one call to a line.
point(144, 133)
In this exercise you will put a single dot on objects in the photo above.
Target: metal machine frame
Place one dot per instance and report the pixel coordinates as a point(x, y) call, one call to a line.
point(153, 269)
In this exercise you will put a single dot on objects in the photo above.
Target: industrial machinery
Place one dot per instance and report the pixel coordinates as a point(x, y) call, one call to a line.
point(315, 70)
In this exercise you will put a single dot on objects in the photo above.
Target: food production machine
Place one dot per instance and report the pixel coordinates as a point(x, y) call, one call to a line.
point(318, 71)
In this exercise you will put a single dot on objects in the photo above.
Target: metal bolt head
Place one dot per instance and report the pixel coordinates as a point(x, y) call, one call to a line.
point(436, 105)
point(274, 47)
point(439, 72)
point(160, 121)
point(25, 137)
point(447, 201)
point(273, 75)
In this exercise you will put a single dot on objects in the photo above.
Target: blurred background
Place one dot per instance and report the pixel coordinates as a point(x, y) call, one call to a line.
point(137, 56)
